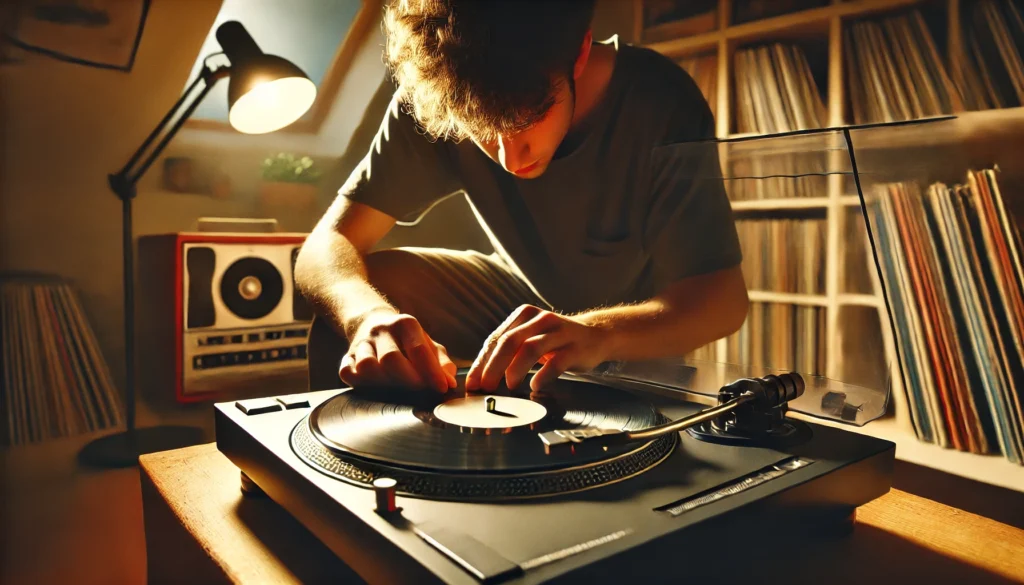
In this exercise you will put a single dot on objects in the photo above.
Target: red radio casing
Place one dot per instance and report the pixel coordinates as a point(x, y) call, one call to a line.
point(219, 316)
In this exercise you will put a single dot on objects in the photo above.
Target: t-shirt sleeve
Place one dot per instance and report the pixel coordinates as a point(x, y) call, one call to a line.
point(405, 172)
point(690, 228)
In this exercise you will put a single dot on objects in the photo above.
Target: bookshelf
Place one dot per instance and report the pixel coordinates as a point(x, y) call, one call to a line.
point(711, 34)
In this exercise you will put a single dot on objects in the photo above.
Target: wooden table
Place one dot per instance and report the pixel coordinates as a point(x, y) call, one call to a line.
point(201, 529)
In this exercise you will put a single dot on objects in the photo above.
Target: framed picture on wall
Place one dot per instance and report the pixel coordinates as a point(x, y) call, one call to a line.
point(97, 33)
point(320, 36)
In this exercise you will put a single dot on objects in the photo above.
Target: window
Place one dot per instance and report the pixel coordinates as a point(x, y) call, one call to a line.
point(320, 36)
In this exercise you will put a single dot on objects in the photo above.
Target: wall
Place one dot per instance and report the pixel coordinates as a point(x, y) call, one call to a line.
point(66, 126)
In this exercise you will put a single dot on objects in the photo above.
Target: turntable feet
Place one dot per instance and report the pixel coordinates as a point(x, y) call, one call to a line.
point(249, 487)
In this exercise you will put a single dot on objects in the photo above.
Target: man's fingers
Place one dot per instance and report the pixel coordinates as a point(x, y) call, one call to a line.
point(422, 354)
point(530, 353)
point(345, 369)
point(424, 359)
point(516, 318)
point(510, 344)
point(447, 365)
point(395, 365)
point(365, 368)
point(555, 367)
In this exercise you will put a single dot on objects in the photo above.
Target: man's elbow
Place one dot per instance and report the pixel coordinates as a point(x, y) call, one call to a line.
point(732, 300)
point(736, 310)
point(307, 266)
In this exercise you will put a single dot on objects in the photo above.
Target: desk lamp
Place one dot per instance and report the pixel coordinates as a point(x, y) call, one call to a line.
point(265, 93)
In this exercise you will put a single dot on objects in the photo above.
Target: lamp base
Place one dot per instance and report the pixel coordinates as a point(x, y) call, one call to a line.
point(123, 449)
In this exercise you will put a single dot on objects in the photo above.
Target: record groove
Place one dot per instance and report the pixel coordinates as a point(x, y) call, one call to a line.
point(400, 428)
point(479, 487)
point(360, 435)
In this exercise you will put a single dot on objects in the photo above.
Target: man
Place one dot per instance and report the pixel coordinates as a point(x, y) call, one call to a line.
point(604, 251)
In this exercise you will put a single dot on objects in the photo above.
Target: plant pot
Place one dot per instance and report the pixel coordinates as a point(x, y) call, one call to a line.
point(292, 204)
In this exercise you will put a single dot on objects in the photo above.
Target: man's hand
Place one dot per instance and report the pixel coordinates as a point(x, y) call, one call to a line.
point(391, 349)
point(530, 336)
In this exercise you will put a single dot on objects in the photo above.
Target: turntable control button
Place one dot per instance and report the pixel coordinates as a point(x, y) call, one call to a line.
point(291, 402)
point(258, 405)
point(384, 489)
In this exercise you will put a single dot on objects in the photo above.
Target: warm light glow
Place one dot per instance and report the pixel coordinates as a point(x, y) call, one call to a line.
point(272, 105)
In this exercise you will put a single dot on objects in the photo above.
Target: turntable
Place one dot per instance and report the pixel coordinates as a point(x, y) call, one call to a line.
point(634, 472)
point(592, 477)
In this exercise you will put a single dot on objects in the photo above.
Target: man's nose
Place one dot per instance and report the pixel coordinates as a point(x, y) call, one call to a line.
point(513, 153)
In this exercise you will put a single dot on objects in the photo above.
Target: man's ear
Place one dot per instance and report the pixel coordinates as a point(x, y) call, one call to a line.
point(584, 56)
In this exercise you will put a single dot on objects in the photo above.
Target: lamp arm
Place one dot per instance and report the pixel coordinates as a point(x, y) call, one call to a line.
point(123, 185)
point(123, 182)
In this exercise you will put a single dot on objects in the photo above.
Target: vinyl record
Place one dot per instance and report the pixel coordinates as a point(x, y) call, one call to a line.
point(456, 432)
point(251, 287)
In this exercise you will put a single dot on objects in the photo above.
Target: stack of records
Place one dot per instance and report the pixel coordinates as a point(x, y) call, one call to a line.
point(953, 268)
point(704, 70)
point(990, 71)
point(780, 336)
point(775, 91)
point(784, 255)
point(895, 71)
point(55, 381)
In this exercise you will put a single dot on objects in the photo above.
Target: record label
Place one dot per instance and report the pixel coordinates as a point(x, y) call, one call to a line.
point(505, 412)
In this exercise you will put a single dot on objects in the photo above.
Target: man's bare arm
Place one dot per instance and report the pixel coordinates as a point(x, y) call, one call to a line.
point(689, 313)
point(330, 270)
point(686, 315)
point(385, 346)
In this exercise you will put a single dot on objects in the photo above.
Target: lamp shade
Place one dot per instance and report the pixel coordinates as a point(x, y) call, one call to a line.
point(265, 92)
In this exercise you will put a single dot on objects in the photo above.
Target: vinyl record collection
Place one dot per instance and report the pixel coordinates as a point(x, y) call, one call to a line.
point(953, 268)
point(895, 71)
point(776, 91)
point(780, 336)
point(55, 381)
point(783, 255)
point(990, 71)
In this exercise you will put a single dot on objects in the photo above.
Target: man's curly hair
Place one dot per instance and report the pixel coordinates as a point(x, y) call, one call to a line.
point(482, 68)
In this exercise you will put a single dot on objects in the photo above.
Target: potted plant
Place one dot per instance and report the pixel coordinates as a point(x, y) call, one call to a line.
point(289, 189)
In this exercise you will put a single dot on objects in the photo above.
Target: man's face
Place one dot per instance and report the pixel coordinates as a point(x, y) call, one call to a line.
point(528, 153)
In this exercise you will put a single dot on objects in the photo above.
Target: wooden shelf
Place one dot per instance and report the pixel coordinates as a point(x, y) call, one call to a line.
point(815, 20)
point(804, 299)
point(861, 300)
point(781, 203)
point(839, 203)
point(991, 469)
point(694, 25)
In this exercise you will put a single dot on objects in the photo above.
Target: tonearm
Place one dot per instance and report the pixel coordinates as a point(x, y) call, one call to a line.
point(749, 407)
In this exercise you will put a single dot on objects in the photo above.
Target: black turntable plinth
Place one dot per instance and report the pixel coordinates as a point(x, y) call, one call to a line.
point(582, 481)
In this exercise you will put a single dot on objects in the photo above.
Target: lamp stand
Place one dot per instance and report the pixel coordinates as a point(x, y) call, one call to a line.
point(123, 449)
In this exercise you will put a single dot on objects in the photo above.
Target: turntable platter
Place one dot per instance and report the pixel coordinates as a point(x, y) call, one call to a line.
point(441, 432)
point(459, 446)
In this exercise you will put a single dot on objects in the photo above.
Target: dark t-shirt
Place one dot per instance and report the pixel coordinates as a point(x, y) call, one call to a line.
point(607, 223)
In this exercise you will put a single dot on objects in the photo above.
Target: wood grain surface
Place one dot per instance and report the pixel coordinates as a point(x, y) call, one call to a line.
point(200, 528)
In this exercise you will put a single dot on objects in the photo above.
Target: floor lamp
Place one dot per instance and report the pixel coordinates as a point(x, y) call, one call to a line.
point(265, 93)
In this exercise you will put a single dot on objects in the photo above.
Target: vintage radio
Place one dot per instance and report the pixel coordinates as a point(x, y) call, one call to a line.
point(222, 315)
